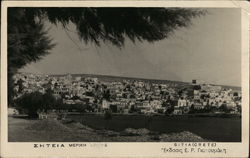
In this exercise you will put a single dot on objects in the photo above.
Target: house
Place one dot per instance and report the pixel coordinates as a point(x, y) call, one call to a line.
point(231, 104)
point(146, 104)
point(204, 103)
point(181, 102)
point(68, 101)
point(185, 110)
point(52, 115)
point(12, 111)
point(78, 101)
point(198, 106)
point(156, 104)
point(78, 78)
point(42, 116)
point(105, 104)
point(177, 111)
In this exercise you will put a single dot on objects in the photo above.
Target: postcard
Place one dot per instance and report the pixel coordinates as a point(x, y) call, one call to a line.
point(125, 79)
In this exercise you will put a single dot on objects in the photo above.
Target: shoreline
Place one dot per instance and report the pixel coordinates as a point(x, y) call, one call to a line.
point(24, 130)
point(206, 130)
point(222, 115)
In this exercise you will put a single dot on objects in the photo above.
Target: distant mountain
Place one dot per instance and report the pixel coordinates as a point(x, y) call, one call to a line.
point(108, 78)
point(235, 88)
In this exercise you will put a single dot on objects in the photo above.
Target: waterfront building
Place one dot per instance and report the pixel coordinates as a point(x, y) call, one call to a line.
point(181, 102)
point(105, 104)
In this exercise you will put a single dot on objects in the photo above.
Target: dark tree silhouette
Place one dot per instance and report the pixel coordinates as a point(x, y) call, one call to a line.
point(114, 24)
point(106, 95)
point(20, 85)
point(29, 42)
point(32, 102)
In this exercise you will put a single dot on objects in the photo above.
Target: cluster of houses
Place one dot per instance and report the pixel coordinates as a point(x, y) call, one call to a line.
point(126, 96)
point(205, 96)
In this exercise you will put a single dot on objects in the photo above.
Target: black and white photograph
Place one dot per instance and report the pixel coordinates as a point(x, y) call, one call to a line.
point(124, 74)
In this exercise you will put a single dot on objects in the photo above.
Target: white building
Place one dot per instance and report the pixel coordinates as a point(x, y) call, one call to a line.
point(156, 104)
point(105, 104)
point(182, 102)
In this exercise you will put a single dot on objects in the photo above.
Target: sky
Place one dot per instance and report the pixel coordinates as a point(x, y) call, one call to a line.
point(208, 50)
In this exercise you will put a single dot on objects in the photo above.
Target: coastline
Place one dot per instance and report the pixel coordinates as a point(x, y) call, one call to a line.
point(24, 130)
point(223, 115)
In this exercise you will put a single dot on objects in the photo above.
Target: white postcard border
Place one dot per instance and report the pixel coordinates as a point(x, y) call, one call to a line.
point(122, 149)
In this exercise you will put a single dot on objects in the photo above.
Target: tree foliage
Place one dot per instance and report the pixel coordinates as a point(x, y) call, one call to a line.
point(31, 102)
point(28, 41)
point(115, 24)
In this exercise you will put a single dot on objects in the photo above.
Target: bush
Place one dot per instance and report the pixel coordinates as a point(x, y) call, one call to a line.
point(169, 110)
point(30, 103)
point(224, 108)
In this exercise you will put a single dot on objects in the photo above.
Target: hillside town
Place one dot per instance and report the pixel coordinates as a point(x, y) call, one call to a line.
point(132, 96)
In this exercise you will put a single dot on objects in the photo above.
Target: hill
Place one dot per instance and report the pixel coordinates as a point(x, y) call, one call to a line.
point(108, 78)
